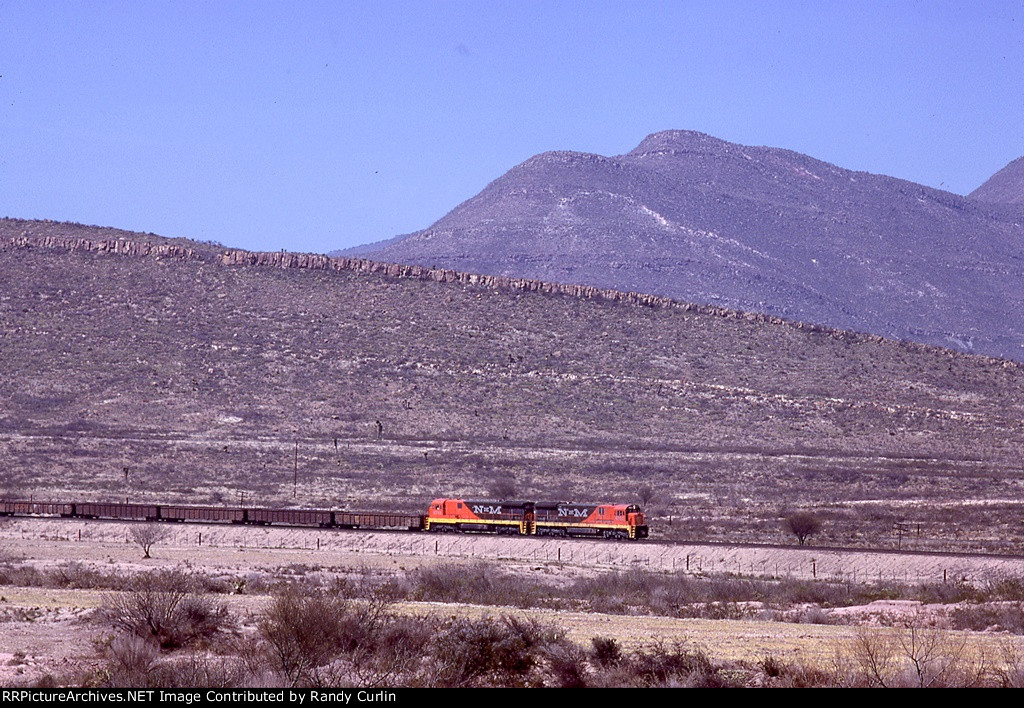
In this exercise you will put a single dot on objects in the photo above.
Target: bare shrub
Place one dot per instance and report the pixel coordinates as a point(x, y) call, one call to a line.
point(605, 651)
point(917, 655)
point(131, 661)
point(802, 525)
point(491, 652)
point(146, 535)
point(1009, 672)
point(196, 670)
point(676, 665)
point(303, 631)
point(163, 606)
point(314, 637)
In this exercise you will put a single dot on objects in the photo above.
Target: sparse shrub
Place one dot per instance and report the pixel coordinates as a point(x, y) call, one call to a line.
point(814, 615)
point(1004, 617)
point(502, 487)
point(795, 675)
point(491, 652)
point(477, 583)
point(772, 666)
point(567, 665)
point(676, 665)
point(146, 535)
point(803, 525)
point(164, 607)
point(75, 574)
point(605, 651)
point(917, 655)
point(316, 637)
point(131, 661)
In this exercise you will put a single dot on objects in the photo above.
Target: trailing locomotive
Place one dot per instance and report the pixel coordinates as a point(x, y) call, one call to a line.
point(517, 518)
point(528, 518)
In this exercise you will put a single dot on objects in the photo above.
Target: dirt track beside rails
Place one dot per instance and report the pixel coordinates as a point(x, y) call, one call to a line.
point(220, 546)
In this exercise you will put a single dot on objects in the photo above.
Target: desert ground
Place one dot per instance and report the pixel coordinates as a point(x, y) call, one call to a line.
point(54, 630)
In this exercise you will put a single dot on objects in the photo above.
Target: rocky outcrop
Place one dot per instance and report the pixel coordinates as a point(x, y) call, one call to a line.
point(312, 261)
point(119, 246)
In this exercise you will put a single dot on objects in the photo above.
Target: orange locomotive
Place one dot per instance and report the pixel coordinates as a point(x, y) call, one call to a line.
point(528, 518)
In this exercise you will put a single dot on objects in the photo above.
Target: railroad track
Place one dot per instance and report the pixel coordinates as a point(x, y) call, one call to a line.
point(389, 522)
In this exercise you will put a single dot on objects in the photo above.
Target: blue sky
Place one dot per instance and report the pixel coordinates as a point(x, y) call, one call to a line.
point(312, 126)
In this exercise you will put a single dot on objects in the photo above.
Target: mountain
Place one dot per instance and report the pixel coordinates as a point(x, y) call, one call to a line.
point(214, 375)
point(688, 216)
point(1004, 187)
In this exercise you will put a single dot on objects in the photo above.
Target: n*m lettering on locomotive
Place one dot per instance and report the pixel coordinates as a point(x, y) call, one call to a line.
point(576, 512)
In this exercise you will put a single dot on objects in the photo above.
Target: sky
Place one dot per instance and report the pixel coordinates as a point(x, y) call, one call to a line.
point(312, 126)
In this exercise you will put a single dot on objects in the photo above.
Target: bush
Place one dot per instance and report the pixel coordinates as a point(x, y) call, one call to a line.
point(131, 661)
point(491, 652)
point(605, 651)
point(315, 637)
point(676, 665)
point(163, 606)
point(803, 525)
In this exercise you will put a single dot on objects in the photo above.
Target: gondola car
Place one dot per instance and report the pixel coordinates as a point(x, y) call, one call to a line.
point(34, 508)
point(206, 514)
point(127, 512)
point(290, 517)
point(377, 520)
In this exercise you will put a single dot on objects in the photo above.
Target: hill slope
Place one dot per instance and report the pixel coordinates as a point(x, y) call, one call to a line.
point(207, 373)
point(1004, 187)
point(695, 218)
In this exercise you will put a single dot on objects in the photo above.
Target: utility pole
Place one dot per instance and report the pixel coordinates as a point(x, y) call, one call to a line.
point(295, 472)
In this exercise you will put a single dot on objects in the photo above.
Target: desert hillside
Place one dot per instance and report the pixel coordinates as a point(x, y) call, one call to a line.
point(218, 376)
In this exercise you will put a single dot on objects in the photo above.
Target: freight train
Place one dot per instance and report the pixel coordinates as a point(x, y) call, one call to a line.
point(520, 518)
point(529, 518)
